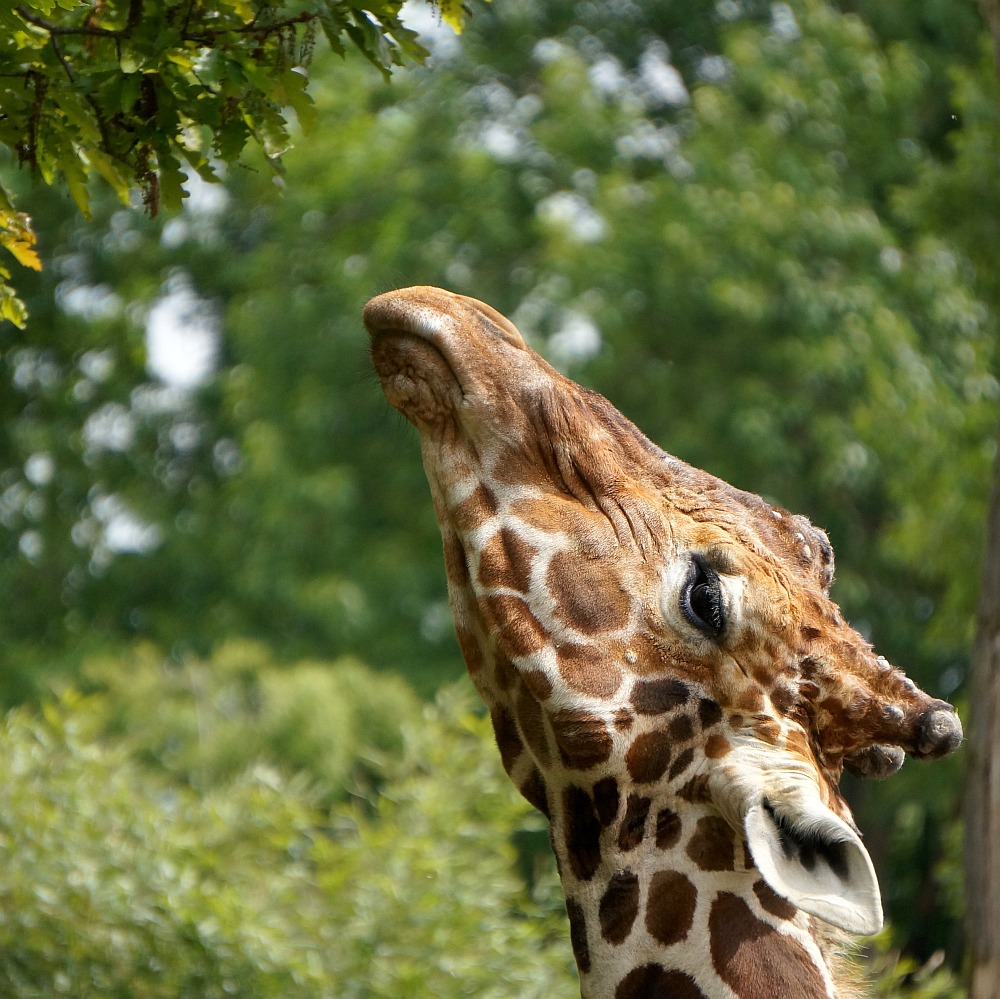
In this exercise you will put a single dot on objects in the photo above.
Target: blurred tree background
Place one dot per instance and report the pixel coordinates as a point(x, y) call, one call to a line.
point(236, 761)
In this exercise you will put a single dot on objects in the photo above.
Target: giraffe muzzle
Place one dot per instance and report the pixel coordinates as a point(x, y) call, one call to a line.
point(939, 732)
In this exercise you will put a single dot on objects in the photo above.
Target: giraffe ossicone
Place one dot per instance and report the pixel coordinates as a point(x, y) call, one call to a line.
point(668, 679)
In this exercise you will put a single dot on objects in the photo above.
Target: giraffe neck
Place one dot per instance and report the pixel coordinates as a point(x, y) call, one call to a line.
point(666, 902)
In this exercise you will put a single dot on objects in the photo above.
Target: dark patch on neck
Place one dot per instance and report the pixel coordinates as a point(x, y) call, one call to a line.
point(606, 800)
point(578, 935)
point(633, 826)
point(670, 907)
point(712, 845)
point(709, 712)
point(582, 832)
point(619, 906)
point(536, 793)
point(653, 981)
point(753, 958)
point(648, 757)
point(668, 828)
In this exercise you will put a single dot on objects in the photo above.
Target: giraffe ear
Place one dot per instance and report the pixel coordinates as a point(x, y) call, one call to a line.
point(816, 861)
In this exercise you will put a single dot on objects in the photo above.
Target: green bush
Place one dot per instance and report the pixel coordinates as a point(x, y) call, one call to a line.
point(204, 721)
point(117, 883)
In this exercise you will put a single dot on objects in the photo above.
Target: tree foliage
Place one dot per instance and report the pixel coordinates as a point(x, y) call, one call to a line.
point(135, 93)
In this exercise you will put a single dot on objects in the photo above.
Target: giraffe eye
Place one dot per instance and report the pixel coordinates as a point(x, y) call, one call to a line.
point(701, 598)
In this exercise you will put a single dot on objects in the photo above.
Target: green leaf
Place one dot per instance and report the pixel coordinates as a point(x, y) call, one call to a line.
point(75, 175)
point(230, 139)
point(12, 309)
point(171, 177)
point(294, 93)
point(334, 26)
point(109, 170)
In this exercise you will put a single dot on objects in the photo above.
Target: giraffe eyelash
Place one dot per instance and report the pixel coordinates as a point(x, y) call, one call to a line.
point(701, 598)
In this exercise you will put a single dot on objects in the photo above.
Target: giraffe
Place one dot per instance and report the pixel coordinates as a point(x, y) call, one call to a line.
point(668, 678)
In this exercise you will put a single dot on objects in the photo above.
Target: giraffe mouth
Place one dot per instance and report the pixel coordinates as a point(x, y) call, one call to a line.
point(416, 375)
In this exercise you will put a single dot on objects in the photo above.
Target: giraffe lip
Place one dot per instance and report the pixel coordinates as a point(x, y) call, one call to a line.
point(876, 762)
point(417, 378)
point(393, 348)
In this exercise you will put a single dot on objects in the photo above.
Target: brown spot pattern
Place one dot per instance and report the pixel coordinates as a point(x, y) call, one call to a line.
point(653, 981)
point(767, 730)
point(606, 800)
point(648, 757)
point(554, 515)
point(455, 563)
point(633, 826)
point(586, 597)
point(670, 907)
point(749, 699)
point(532, 723)
point(681, 764)
point(709, 712)
point(716, 746)
point(506, 560)
point(783, 697)
point(578, 934)
point(478, 507)
point(655, 697)
point(535, 792)
point(471, 651)
point(623, 719)
point(712, 844)
point(680, 728)
point(668, 828)
point(650, 655)
point(538, 683)
point(508, 740)
point(772, 902)
point(583, 739)
point(517, 630)
point(587, 669)
point(582, 831)
point(752, 957)
point(619, 906)
point(505, 674)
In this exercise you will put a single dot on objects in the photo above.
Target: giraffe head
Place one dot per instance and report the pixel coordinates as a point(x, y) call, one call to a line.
point(637, 625)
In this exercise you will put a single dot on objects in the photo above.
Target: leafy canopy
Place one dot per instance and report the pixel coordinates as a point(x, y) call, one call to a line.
point(136, 92)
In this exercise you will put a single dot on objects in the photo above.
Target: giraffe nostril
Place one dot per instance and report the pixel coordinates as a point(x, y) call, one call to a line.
point(938, 733)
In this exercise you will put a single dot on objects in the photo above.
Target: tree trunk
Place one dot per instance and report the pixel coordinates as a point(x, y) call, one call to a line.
point(982, 793)
point(991, 15)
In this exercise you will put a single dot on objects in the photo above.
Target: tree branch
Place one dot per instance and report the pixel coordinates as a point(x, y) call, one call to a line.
point(211, 34)
point(61, 29)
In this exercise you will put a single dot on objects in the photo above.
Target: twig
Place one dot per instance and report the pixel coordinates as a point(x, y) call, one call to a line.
point(62, 29)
